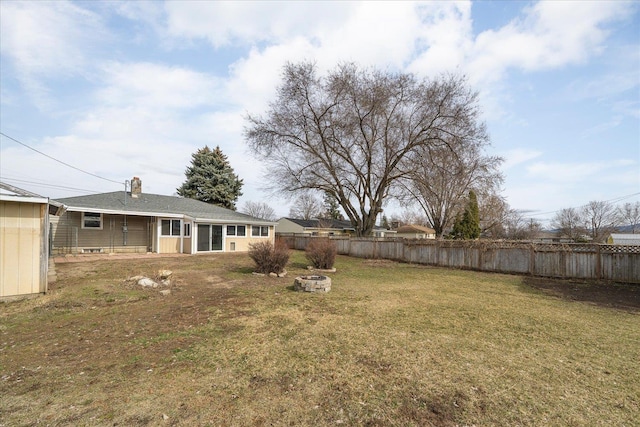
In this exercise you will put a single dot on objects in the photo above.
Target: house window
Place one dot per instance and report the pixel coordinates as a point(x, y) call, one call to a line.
point(92, 220)
point(187, 229)
point(259, 231)
point(170, 227)
point(236, 230)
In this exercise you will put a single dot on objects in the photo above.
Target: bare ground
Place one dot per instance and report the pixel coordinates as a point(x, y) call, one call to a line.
point(611, 295)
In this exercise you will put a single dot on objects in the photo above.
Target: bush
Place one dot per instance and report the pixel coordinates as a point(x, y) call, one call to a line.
point(321, 253)
point(269, 259)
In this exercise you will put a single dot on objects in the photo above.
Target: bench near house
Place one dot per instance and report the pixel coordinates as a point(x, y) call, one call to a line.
point(133, 221)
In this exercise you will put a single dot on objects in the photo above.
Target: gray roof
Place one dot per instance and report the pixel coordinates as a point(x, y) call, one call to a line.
point(156, 205)
point(325, 223)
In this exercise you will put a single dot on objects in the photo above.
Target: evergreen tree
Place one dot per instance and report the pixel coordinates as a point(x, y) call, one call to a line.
point(467, 226)
point(332, 208)
point(211, 179)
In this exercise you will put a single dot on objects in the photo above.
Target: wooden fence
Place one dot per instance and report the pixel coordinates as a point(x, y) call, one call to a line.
point(615, 263)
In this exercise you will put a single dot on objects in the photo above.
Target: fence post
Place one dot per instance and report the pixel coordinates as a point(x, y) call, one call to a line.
point(598, 263)
point(532, 260)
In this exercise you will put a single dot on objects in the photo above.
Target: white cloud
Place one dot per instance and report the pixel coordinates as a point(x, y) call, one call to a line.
point(226, 22)
point(45, 40)
point(518, 156)
point(550, 35)
point(157, 86)
point(444, 37)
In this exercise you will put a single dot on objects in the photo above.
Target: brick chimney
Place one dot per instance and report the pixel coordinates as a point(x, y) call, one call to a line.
point(136, 187)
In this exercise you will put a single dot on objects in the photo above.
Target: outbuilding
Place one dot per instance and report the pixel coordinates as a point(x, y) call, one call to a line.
point(24, 241)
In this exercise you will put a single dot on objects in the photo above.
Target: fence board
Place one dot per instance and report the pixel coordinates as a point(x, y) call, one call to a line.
point(578, 261)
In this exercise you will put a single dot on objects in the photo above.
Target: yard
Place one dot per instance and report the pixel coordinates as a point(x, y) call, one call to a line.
point(391, 345)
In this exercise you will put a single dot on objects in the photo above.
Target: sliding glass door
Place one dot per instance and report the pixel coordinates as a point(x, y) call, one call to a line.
point(209, 238)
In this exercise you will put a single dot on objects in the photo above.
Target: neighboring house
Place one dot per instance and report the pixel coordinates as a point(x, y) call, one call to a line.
point(136, 222)
point(623, 239)
point(323, 227)
point(24, 241)
point(415, 232)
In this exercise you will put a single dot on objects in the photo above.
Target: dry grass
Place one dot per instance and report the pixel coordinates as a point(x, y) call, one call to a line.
point(390, 345)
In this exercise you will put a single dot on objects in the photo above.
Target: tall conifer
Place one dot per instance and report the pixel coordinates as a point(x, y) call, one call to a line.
point(211, 179)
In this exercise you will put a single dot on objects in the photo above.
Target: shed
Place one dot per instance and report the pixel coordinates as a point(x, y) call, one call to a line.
point(24, 241)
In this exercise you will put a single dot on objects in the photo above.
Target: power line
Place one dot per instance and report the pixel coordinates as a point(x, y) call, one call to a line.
point(615, 199)
point(59, 161)
point(42, 184)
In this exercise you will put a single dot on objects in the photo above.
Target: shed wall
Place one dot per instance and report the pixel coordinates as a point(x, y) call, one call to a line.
point(22, 238)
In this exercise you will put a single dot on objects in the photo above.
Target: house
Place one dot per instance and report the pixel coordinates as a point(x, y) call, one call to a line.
point(623, 239)
point(322, 227)
point(133, 221)
point(24, 241)
point(415, 232)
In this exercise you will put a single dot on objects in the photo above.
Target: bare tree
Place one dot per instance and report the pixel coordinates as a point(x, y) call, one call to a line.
point(306, 206)
point(517, 227)
point(493, 213)
point(442, 176)
point(259, 210)
point(348, 133)
point(600, 219)
point(570, 223)
point(629, 215)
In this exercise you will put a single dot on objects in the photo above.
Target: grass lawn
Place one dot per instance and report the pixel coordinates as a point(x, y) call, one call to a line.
point(391, 345)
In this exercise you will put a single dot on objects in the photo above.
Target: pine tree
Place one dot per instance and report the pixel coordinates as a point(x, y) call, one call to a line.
point(467, 226)
point(332, 208)
point(211, 179)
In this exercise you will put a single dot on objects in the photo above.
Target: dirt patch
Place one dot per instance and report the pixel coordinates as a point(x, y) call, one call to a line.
point(619, 296)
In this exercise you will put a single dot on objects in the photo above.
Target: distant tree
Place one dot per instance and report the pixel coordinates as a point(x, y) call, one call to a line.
point(331, 207)
point(629, 215)
point(515, 225)
point(600, 219)
point(211, 179)
point(385, 223)
point(348, 133)
point(532, 229)
point(306, 206)
point(259, 210)
point(467, 224)
point(570, 223)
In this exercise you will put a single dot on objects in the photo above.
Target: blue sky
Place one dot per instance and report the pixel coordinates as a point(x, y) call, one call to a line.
point(123, 89)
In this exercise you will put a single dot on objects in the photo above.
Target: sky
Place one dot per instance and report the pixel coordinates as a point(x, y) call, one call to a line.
point(94, 93)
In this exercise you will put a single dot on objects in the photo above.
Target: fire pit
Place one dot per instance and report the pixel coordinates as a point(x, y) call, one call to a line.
point(312, 284)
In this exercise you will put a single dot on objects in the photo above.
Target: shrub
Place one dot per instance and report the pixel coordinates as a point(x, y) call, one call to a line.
point(321, 253)
point(269, 258)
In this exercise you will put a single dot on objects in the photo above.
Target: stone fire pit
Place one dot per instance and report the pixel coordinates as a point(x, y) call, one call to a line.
point(313, 283)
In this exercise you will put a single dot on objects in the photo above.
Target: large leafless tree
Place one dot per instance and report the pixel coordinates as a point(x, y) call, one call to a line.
point(443, 175)
point(347, 134)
